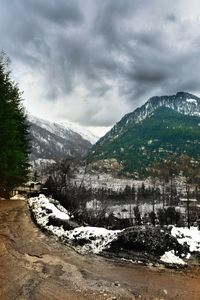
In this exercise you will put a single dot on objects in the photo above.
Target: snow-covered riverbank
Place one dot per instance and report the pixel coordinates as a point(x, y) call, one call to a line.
point(96, 239)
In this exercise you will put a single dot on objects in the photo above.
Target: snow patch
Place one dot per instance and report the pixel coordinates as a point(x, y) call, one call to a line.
point(189, 236)
point(43, 161)
point(171, 258)
point(43, 208)
point(191, 101)
point(86, 239)
point(97, 238)
point(18, 197)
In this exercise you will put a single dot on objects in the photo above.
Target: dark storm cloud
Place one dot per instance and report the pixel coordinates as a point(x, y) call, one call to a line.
point(109, 17)
point(95, 61)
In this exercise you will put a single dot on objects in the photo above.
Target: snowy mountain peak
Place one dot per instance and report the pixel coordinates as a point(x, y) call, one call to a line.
point(162, 126)
point(59, 128)
point(52, 141)
point(181, 102)
point(86, 134)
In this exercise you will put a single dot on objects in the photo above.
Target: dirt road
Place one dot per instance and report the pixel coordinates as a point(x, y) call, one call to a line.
point(36, 266)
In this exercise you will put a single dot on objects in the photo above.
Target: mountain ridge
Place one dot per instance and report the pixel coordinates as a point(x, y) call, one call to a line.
point(52, 141)
point(153, 131)
point(154, 102)
point(86, 134)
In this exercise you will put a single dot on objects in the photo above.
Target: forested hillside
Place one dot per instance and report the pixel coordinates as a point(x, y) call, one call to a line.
point(145, 137)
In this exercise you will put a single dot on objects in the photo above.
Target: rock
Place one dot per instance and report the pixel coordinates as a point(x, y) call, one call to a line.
point(117, 283)
point(67, 224)
point(165, 292)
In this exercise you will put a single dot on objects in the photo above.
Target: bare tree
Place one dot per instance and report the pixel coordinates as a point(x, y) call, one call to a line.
point(59, 180)
point(154, 174)
point(191, 172)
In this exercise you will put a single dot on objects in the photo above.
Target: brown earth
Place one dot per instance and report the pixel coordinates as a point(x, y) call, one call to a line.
point(34, 266)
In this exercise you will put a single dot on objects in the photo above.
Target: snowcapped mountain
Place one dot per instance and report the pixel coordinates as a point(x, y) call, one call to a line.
point(184, 103)
point(86, 134)
point(162, 126)
point(52, 141)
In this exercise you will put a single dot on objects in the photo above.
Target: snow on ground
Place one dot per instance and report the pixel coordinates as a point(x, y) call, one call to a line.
point(87, 239)
point(170, 258)
point(43, 208)
point(96, 239)
point(183, 235)
point(189, 236)
point(18, 197)
point(99, 180)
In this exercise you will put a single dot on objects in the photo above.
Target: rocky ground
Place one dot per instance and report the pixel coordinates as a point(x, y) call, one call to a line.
point(36, 266)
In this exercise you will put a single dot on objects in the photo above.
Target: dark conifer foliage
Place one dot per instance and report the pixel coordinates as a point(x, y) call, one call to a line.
point(14, 141)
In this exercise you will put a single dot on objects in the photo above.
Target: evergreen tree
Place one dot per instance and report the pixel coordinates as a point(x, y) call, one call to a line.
point(14, 142)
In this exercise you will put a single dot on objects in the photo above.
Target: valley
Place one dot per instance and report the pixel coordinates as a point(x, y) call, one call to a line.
point(132, 200)
point(99, 150)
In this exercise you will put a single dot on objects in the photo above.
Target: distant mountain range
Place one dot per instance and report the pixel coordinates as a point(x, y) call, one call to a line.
point(162, 126)
point(52, 141)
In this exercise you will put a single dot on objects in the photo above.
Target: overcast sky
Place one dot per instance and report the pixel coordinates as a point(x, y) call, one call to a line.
point(92, 61)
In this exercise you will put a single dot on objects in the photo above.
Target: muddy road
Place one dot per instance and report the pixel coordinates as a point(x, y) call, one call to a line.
point(36, 266)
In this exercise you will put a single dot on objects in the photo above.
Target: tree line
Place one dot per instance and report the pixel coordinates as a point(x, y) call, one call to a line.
point(163, 190)
point(14, 140)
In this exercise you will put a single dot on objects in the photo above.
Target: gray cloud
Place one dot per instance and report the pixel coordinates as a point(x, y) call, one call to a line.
point(171, 18)
point(58, 12)
point(91, 62)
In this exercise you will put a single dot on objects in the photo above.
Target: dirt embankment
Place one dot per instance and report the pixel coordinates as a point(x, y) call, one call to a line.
point(35, 266)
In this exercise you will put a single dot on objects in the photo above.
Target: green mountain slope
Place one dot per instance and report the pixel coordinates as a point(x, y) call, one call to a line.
point(160, 133)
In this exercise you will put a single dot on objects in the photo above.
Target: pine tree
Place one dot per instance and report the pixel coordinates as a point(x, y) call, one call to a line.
point(14, 142)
